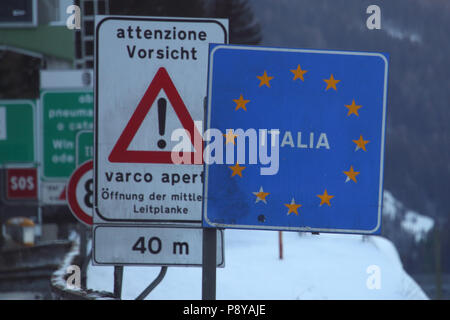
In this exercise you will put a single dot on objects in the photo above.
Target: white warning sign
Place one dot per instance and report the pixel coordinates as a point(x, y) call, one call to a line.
point(151, 78)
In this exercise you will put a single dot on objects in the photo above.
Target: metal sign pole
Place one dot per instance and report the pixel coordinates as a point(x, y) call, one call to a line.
point(83, 253)
point(280, 244)
point(153, 285)
point(209, 264)
point(118, 276)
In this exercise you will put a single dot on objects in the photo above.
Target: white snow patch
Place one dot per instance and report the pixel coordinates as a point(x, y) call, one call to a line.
point(417, 224)
point(397, 33)
point(390, 204)
point(325, 266)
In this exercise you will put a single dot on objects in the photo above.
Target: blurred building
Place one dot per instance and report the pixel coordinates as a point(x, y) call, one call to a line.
point(39, 29)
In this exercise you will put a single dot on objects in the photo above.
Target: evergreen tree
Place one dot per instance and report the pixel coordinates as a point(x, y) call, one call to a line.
point(244, 29)
point(170, 8)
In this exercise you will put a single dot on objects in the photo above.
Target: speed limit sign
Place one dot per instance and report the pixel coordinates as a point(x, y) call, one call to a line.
point(80, 192)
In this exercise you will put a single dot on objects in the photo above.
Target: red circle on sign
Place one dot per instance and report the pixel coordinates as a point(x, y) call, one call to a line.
point(72, 199)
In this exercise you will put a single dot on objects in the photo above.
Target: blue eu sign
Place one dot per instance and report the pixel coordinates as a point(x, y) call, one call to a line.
point(302, 139)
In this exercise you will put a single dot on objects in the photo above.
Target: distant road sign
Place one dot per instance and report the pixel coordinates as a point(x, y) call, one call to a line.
point(165, 62)
point(22, 184)
point(80, 192)
point(315, 120)
point(158, 245)
point(17, 131)
point(18, 14)
point(53, 192)
point(84, 146)
point(64, 113)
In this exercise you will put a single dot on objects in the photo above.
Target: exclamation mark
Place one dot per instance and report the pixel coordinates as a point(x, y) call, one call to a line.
point(162, 121)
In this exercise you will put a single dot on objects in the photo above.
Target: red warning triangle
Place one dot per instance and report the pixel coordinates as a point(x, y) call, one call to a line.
point(161, 81)
point(62, 196)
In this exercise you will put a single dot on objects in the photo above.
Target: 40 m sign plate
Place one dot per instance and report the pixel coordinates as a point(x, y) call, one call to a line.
point(159, 245)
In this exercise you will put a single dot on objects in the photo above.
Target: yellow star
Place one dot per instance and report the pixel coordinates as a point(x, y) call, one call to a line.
point(331, 83)
point(264, 79)
point(351, 174)
point(261, 195)
point(240, 103)
point(298, 73)
point(325, 198)
point(353, 108)
point(361, 143)
point(230, 136)
point(293, 207)
point(237, 170)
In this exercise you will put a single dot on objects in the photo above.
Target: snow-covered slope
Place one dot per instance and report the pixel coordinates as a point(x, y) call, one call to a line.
point(321, 266)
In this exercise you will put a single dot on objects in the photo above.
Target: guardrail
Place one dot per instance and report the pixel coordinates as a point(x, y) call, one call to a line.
point(58, 282)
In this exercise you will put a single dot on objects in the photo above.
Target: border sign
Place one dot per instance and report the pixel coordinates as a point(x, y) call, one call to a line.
point(165, 61)
point(80, 192)
point(325, 112)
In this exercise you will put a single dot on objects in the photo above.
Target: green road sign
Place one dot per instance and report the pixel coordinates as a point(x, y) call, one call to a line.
point(85, 146)
point(64, 114)
point(17, 131)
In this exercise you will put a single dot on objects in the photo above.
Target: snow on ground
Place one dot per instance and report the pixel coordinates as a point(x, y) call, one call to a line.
point(325, 266)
